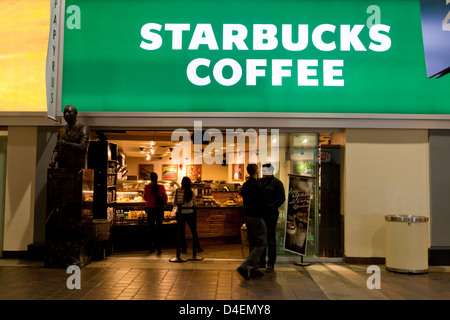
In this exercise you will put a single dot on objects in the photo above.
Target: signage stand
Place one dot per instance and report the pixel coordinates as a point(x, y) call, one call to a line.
point(178, 201)
point(298, 211)
point(301, 263)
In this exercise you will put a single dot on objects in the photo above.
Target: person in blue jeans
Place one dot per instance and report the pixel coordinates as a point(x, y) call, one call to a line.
point(188, 215)
point(275, 197)
point(255, 210)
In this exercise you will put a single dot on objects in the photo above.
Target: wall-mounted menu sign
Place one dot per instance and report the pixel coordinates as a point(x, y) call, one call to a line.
point(298, 211)
point(260, 56)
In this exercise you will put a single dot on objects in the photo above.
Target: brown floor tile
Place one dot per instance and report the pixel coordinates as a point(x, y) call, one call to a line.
point(205, 280)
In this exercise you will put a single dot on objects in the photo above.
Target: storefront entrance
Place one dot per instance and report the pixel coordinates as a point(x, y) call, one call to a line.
point(130, 157)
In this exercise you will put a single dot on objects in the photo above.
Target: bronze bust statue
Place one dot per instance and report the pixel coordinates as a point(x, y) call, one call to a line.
point(73, 140)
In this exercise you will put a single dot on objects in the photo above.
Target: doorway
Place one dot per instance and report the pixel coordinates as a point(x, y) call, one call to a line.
point(143, 151)
point(331, 219)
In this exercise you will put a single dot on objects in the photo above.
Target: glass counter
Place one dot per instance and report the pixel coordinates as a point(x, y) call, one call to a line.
point(130, 208)
point(87, 198)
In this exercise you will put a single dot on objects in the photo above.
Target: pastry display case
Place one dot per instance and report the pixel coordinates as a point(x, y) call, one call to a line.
point(130, 207)
point(219, 214)
point(208, 196)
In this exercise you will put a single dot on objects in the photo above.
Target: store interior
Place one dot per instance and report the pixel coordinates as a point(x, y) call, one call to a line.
point(135, 154)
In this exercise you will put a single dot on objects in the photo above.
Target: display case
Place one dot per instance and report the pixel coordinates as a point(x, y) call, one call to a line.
point(208, 196)
point(129, 231)
point(219, 213)
point(130, 206)
point(88, 201)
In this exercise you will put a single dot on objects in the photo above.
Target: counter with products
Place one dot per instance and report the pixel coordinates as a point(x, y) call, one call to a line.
point(130, 209)
point(219, 215)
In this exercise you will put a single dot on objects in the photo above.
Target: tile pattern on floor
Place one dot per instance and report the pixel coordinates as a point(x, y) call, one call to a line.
point(155, 283)
point(144, 276)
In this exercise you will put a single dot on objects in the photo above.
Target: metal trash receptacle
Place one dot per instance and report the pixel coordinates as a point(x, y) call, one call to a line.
point(407, 243)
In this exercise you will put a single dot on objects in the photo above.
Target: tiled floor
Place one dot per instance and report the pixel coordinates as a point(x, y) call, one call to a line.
point(144, 276)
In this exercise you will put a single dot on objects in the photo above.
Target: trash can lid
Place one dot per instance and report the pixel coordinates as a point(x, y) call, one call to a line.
point(406, 218)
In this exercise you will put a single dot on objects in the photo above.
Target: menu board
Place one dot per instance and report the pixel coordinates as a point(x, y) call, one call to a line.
point(298, 211)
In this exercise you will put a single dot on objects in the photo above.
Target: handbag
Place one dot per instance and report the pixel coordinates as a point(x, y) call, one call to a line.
point(159, 201)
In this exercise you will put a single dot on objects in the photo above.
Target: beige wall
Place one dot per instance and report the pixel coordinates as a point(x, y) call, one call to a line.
point(20, 188)
point(386, 172)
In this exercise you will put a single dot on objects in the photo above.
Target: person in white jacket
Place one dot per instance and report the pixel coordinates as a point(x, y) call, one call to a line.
point(188, 215)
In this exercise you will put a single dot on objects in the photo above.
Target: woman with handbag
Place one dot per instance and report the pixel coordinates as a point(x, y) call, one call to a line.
point(155, 197)
point(188, 215)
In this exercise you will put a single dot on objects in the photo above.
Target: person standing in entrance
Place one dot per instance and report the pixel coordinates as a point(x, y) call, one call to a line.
point(188, 215)
point(155, 197)
point(255, 208)
point(275, 197)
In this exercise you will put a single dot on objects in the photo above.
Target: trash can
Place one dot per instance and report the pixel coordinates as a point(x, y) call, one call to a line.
point(407, 243)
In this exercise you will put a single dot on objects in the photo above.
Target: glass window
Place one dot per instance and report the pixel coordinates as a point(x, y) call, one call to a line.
point(298, 155)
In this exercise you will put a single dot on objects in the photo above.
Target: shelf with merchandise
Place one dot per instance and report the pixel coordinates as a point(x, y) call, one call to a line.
point(208, 196)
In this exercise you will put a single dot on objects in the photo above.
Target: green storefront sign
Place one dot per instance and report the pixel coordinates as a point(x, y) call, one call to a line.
point(348, 56)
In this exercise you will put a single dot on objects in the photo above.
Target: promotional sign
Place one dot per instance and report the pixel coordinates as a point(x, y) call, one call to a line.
point(436, 36)
point(299, 200)
point(264, 56)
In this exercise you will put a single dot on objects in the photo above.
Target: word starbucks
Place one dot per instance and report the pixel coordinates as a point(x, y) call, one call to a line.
point(265, 38)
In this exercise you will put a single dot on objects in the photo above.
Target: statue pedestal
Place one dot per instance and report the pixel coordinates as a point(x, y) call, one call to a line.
point(69, 210)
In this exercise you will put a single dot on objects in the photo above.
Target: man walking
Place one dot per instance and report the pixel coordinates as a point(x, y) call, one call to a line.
point(255, 209)
point(275, 197)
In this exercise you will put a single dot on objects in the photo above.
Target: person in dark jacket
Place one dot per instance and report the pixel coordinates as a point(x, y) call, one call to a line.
point(255, 208)
point(275, 197)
